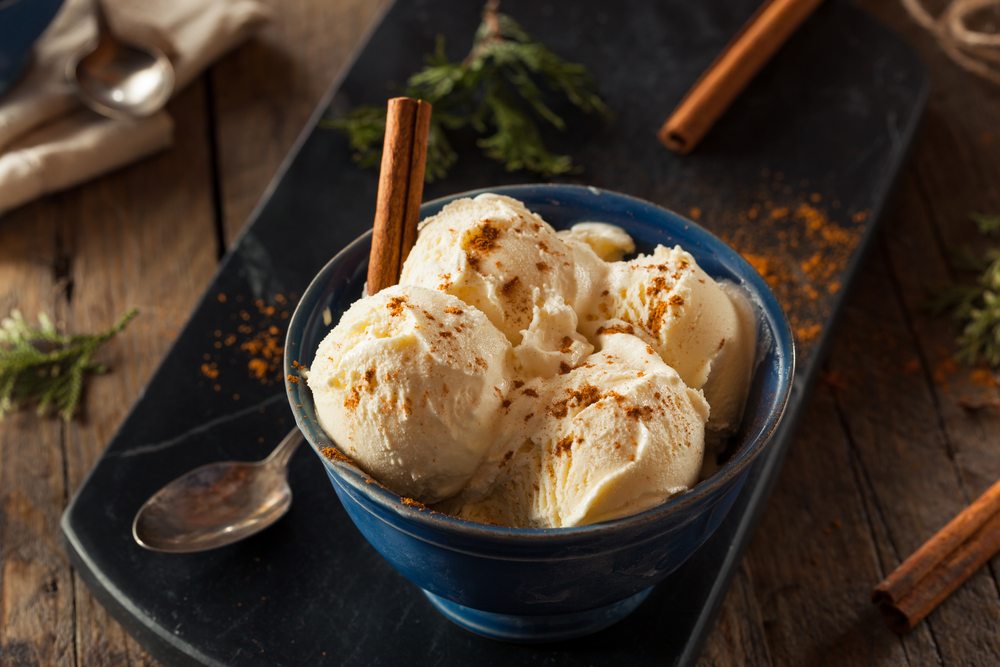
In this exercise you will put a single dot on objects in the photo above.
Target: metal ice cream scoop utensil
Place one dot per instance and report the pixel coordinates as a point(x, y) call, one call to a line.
point(119, 79)
point(218, 504)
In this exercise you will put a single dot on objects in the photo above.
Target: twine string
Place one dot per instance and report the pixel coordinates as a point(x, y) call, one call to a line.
point(974, 50)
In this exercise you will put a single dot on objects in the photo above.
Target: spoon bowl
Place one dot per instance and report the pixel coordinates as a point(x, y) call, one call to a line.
point(119, 79)
point(217, 504)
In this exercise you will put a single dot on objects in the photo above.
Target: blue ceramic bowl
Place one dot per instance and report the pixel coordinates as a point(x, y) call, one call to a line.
point(548, 584)
point(21, 23)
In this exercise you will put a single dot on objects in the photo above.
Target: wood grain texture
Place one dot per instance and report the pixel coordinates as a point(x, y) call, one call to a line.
point(36, 586)
point(141, 237)
point(264, 93)
point(739, 629)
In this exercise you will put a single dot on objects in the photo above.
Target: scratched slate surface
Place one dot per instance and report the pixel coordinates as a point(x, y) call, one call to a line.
point(834, 113)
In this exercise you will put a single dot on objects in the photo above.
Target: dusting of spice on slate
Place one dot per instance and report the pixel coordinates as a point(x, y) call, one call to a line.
point(252, 344)
point(798, 242)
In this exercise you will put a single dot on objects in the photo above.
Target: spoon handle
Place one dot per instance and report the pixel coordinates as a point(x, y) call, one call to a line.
point(282, 454)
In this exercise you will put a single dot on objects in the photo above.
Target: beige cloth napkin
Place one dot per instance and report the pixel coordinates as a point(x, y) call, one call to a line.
point(48, 141)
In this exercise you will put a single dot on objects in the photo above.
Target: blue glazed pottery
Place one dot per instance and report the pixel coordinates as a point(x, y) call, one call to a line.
point(21, 23)
point(548, 584)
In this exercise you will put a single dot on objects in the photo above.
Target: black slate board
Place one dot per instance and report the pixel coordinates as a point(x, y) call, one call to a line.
point(834, 113)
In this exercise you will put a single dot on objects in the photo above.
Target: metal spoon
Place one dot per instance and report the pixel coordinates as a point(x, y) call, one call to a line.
point(217, 504)
point(119, 79)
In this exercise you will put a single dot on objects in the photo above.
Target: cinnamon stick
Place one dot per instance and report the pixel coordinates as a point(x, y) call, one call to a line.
point(942, 564)
point(732, 70)
point(400, 188)
point(418, 163)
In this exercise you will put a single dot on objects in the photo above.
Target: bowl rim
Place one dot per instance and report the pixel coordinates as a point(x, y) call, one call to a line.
point(352, 475)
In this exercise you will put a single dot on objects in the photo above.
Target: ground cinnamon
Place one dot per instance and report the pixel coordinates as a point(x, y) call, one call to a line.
point(800, 246)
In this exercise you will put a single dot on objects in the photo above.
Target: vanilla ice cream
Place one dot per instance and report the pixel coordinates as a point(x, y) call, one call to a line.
point(617, 435)
point(408, 385)
point(609, 242)
point(492, 253)
point(526, 377)
point(704, 331)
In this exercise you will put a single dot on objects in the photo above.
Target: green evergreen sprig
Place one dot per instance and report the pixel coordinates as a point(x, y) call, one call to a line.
point(500, 90)
point(975, 306)
point(40, 365)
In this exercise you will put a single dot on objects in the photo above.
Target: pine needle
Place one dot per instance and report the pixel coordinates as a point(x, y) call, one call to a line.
point(502, 90)
point(42, 366)
point(975, 306)
point(988, 225)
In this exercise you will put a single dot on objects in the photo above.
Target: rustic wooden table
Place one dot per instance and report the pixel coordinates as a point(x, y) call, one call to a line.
point(884, 456)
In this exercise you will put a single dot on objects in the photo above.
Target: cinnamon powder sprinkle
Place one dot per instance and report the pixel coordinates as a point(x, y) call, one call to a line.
point(983, 377)
point(616, 328)
point(808, 332)
point(639, 412)
point(411, 502)
point(395, 305)
point(479, 242)
point(559, 409)
point(530, 392)
point(352, 399)
point(483, 239)
point(566, 344)
point(655, 319)
point(335, 454)
point(657, 284)
point(800, 250)
point(453, 310)
point(510, 286)
point(564, 445)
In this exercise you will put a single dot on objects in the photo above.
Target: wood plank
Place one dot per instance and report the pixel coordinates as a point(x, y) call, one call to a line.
point(738, 636)
point(264, 93)
point(815, 556)
point(889, 410)
point(36, 586)
point(144, 238)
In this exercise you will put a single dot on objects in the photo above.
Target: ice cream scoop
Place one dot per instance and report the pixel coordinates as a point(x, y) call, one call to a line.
point(617, 435)
point(408, 385)
point(609, 242)
point(492, 253)
point(703, 330)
